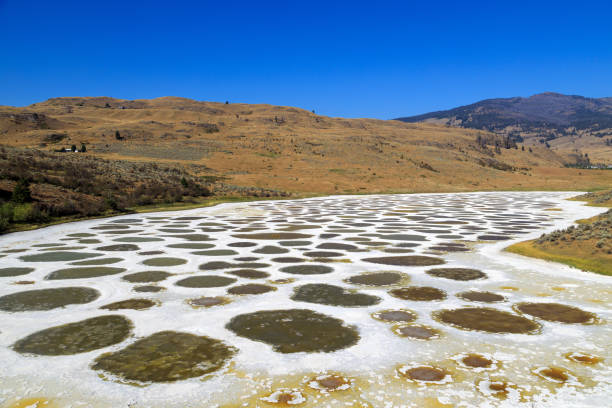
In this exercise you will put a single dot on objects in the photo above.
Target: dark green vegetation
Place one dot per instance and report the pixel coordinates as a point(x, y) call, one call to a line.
point(79, 337)
point(487, 320)
point(47, 299)
point(332, 295)
point(166, 356)
point(295, 330)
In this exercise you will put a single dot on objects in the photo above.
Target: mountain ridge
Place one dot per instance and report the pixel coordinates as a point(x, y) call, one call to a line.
point(571, 122)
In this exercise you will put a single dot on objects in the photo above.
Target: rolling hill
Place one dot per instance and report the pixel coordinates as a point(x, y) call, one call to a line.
point(569, 124)
point(288, 149)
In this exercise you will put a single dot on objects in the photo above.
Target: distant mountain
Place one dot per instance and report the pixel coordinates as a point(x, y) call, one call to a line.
point(545, 117)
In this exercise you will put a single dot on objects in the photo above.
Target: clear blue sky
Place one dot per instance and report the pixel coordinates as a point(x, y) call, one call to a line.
point(354, 59)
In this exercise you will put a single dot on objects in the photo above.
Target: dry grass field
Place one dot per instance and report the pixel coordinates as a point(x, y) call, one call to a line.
point(290, 149)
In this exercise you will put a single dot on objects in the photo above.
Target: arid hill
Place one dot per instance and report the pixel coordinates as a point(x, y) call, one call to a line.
point(571, 125)
point(289, 149)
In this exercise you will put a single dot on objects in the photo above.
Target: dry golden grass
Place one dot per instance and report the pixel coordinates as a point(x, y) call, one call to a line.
point(587, 246)
point(291, 149)
point(578, 254)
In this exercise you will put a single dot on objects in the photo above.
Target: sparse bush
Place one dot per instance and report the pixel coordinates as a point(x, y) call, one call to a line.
point(21, 192)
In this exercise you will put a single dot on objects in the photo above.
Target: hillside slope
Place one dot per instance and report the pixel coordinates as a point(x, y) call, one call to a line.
point(570, 124)
point(289, 149)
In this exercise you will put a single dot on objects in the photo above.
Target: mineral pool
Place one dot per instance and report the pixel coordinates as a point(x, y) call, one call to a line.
point(347, 301)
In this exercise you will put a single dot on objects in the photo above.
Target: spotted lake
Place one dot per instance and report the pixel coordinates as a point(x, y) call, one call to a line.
point(351, 301)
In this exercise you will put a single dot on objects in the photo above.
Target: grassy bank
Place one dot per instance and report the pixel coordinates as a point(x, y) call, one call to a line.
point(205, 202)
point(586, 246)
point(577, 257)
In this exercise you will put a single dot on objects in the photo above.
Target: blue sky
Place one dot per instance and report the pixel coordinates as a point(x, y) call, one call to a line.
point(353, 59)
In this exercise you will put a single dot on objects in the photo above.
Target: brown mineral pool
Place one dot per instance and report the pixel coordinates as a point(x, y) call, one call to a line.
point(307, 269)
point(459, 274)
point(285, 397)
point(395, 316)
point(554, 374)
point(208, 301)
point(134, 304)
point(165, 357)
point(85, 272)
point(194, 237)
point(418, 293)
point(487, 320)
point(323, 254)
point(427, 374)
point(164, 261)
point(250, 289)
point(476, 361)
point(271, 250)
point(191, 245)
point(406, 260)
point(47, 299)
point(148, 289)
point(8, 272)
point(555, 312)
point(249, 273)
point(332, 295)
point(119, 247)
point(79, 337)
point(337, 246)
point(99, 261)
point(583, 358)
point(146, 276)
point(138, 239)
point(58, 256)
point(209, 281)
point(329, 383)
point(272, 236)
point(485, 297)
point(288, 259)
point(377, 278)
point(417, 332)
point(295, 330)
point(216, 252)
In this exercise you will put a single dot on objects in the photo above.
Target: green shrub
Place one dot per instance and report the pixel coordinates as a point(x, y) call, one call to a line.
point(21, 192)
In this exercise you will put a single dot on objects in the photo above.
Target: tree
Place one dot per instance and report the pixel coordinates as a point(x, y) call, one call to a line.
point(118, 135)
point(73, 148)
point(21, 192)
point(83, 148)
point(227, 102)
